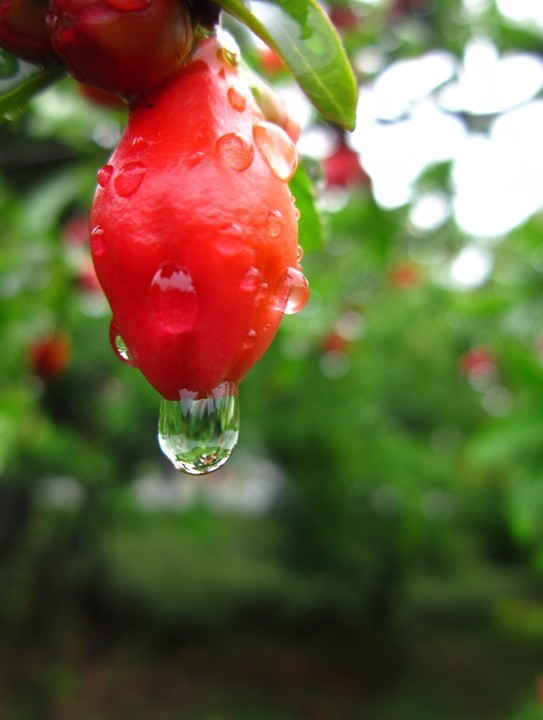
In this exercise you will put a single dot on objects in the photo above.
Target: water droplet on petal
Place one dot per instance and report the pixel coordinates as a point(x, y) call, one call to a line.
point(97, 241)
point(199, 434)
point(300, 253)
point(229, 55)
point(237, 99)
point(250, 340)
point(277, 148)
point(195, 158)
point(236, 151)
point(129, 178)
point(251, 280)
point(118, 344)
point(140, 143)
point(276, 222)
point(263, 290)
point(293, 292)
point(104, 175)
point(173, 300)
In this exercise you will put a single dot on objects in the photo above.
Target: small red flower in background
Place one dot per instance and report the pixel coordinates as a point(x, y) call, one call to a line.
point(50, 356)
point(405, 276)
point(477, 362)
point(404, 8)
point(342, 168)
point(343, 17)
point(271, 62)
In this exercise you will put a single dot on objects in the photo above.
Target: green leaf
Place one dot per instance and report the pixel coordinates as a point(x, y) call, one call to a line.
point(309, 224)
point(20, 81)
point(303, 37)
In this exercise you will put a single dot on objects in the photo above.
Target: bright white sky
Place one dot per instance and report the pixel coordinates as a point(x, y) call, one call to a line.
point(409, 118)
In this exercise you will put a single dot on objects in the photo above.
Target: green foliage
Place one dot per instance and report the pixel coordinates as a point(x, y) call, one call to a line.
point(20, 81)
point(404, 525)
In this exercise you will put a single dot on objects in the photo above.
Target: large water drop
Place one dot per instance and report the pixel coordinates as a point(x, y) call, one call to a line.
point(172, 298)
point(236, 151)
point(293, 292)
point(129, 178)
point(199, 434)
point(278, 149)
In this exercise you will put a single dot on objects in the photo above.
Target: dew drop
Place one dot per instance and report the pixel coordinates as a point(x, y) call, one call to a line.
point(195, 158)
point(97, 245)
point(173, 301)
point(293, 292)
point(276, 222)
point(300, 254)
point(237, 99)
point(129, 178)
point(118, 344)
point(251, 280)
point(229, 55)
point(104, 175)
point(277, 148)
point(250, 340)
point(236, 151)
point(140, 143)
point(199, 434)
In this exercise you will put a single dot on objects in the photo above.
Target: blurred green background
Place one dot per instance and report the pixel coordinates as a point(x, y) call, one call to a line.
point(374, 549)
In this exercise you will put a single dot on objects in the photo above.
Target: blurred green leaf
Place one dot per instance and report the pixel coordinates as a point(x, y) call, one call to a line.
point(309, 224)
point(305, 40)
point(19, 82)
point(500, 442)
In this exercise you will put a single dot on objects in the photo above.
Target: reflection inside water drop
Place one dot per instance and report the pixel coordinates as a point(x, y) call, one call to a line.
point(198, 434)
point(119, 346)
point(236, 151)
point(293, 293)
point(172, 299)
point(277, 148)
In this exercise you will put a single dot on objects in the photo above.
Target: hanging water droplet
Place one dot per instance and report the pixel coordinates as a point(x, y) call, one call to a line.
point(104, 175)
point(173, 301)
point(237, 99)
point(97, 241)
point(277, 148)
point(293, 292)
point(118, 344)
point(236, 151)
point(299, 254)
point(129, 178)
point(276, 222)
point(198, 434)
